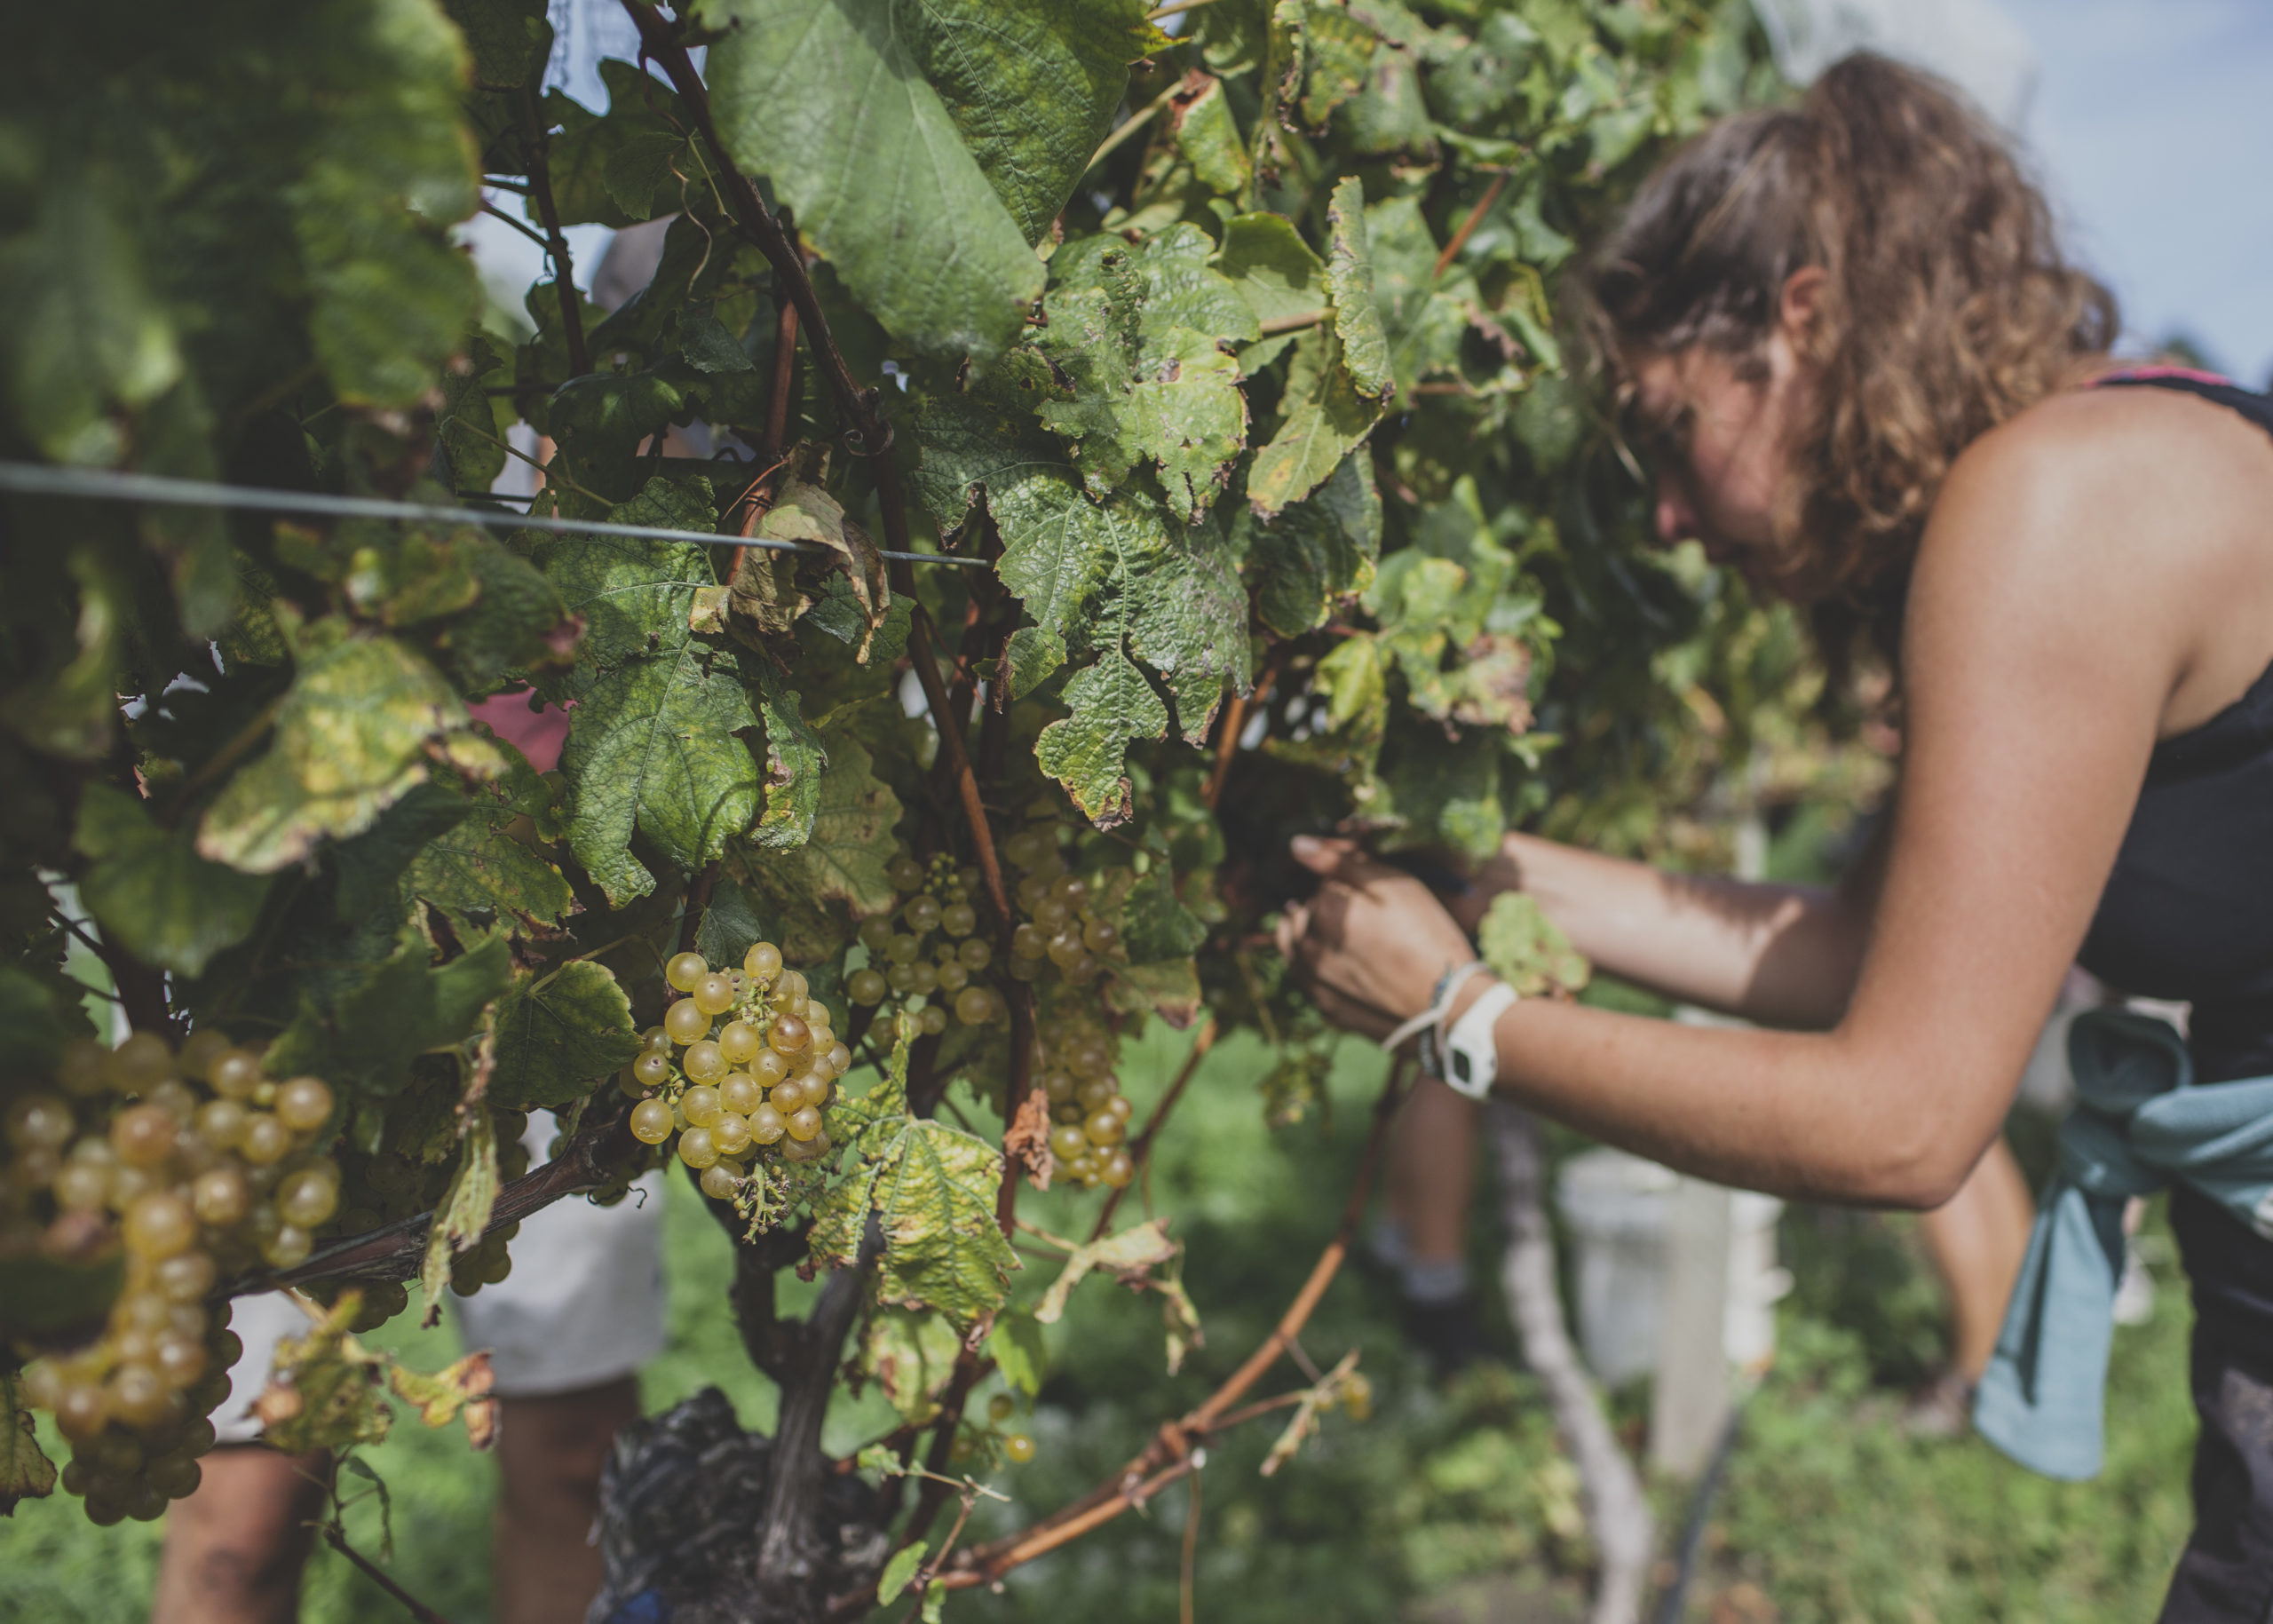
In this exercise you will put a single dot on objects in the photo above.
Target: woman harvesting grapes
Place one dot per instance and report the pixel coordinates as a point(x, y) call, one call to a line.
point(1861, 373)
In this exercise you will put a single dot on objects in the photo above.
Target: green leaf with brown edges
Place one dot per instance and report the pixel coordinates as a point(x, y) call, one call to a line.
point(478, 874)
point(25, 1473)
point(911, 1356)
point(559, 1036)
point(1350, 293)
point(1326, 418)
point(465, 1210)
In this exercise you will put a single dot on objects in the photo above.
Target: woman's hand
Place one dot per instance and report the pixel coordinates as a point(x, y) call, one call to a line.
point(1372, 943)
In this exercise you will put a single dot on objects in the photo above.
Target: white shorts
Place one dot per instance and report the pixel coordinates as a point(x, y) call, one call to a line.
point(584, 1304)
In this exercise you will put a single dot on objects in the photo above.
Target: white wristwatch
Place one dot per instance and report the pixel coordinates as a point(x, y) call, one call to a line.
point(1467, 1059)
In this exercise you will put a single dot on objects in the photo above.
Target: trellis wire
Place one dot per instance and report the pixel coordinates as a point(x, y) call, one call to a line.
point(111, 485)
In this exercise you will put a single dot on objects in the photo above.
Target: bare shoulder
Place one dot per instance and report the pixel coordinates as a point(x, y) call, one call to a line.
point(2132, 513)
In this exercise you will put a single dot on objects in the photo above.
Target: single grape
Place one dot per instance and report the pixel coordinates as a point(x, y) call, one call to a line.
point(81, 1186)
point(700, 1105)
point(703, 1062)
point(1104, 1129)
point(1070, 890)
point(951, 977)
point(923, 979)
point(1094, 1092)
point(1052, 916)
point(740, 1041)
point(685, 970)
point(1091, 1060)
point(714, 994)
point(220, 1196)
point(651, 1070)
point(803, 1123)
point(179, 1358)
point(958, 919)
point(741, 1093)
point(1083, 1168)
point(265, 1140)
point(840, 1059)
point(1033, 890)
point(1028, 942)
point(903, 950)
point(304, 1104)
point(900, 977)
point(1117, 1169)
point(1082, 970)
point(142, 1062)
point(651, 1121)
point(789, 1095)
point(922, 913)
point(1120, 1106)
point(762, 962)
point(1019, 1447)
point(731, 1133)
point(685, 1021)
point(1099, 937)
point(866, 987)
point(235, 1073)
point(696, 1148)
point(307, 1199)
point(200, 1050)
point(1065, 948)
point(766, 1124)
point(186, 1277)
point(220, 1122)
point(721, 1180)
point(657, 1040)
point(1000, 1407)
point(933, 1020)
point(975, 954)
point(975, 1006)
point(789, 1036)
point(1067, 1141)
point(904, 872)
point(143, 1135)
point(770, 1068)
point(1058, 1086)
point(40, 1122)
point(160, 1225)
point(289, 1245)
point(876, 933)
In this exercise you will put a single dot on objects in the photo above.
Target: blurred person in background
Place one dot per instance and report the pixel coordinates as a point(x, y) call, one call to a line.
point(1848, 346)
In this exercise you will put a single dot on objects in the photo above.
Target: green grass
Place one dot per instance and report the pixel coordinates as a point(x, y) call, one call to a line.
point(1447, 1504)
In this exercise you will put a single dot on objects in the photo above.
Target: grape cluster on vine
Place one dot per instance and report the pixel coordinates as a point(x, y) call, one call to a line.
point(199, 1167)
point(939, 905)
point(760, 1081)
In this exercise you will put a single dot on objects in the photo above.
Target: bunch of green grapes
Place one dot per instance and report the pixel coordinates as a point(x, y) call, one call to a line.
point(939, 905)
point(1075, 1056)
point(202, 1168)
point(761, 1080)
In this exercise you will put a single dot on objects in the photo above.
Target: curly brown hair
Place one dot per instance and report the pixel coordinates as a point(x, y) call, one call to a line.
point(1947, 307)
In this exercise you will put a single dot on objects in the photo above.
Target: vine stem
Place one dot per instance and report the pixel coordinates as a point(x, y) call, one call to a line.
point(1171, 1454)
point(563, 270)
point(380, 1576)
point(1468, 227)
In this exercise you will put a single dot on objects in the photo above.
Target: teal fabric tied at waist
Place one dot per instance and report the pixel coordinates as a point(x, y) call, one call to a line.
point(2141, 1122)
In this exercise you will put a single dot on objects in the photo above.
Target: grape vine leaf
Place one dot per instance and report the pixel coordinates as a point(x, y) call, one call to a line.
point(324, 1389)
point(461, 1388)
point(731, 925)
point(795, 762)
point(634, 596)
point(1155, 925)
point(1129, 1257)
point(806, 512)
point(652, 747)
point(1316, 551)
point(43, 1296)
point(932, 1190)
point(1019, 1352)
point(1327, 417)
point(1032, 86)
point(1350, 293)
point(560, 1035)
point(1275, 272)
point(1422, 316)
point(1529, 951)
point(912, 1356)
point(352, 737)
point(25, 1473)
point(150, 891)
point(897, 1572)
point(477, 874)
point(1207, 134)
point(1112, 705)
point(833, 102)
point(465, 1208)
point(844, 856)
point(364, 1034)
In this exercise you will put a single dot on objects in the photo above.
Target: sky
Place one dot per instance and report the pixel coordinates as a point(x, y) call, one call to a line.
point(2148, 122)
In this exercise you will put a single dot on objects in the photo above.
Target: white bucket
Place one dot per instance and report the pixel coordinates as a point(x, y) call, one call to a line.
point(1616, 1206)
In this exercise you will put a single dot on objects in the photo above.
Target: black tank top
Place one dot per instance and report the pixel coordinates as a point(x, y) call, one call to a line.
point(2188, 913)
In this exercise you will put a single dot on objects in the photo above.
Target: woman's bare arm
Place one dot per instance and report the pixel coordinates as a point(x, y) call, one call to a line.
point(2046, 650)
point(1782, 955)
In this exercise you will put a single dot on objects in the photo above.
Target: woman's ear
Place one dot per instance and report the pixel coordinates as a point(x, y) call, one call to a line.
point(1801, 305)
